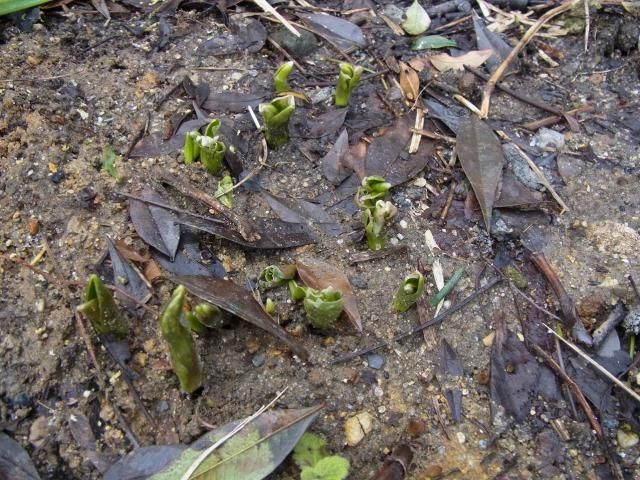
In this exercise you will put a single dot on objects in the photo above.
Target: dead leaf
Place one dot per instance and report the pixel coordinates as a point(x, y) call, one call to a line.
point(303, 124)
point(247, 35)
point(240, 302)
point(156, 226)
point(486, 39)
point(342, 32)
point(127, 278)
point(482, 160)
point(444, 62)
point(409, 81)
point(333, 163)
point(233, 101)
point(318, 274)
point(101, 7)
point(188, 260)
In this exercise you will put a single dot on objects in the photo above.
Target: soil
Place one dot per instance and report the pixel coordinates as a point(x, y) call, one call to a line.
point(74, 86)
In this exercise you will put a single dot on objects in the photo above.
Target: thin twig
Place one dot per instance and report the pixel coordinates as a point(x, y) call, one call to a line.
point(262, 162)
point(203, 456)
point(437, 319)
point(266, 6)
point(279, 48)
point(574, 388)
point(499, 72)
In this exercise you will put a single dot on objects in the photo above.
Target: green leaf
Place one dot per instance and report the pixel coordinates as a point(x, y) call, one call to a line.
point(108, 161)
point(417, 20)
point(310, 450)
point(334, 467)
point(211, 153)
point(296, 291)
point(101, 309)
point(252, 454)
point(224, 191)
point(348, 80)
point(274, 276)
point(432, 41)
point(276, 115)
point(408, 292)
point(281, 78)
point(12, 6)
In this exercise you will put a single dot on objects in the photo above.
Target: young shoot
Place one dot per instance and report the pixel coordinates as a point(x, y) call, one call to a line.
point(408, 292)
point(211, 153)
point(182, 349)
point(371, 190)
point(191, 149)
point(281, 78)
point(374, 221)
point(224, 193)
point(348, 80)
point(274, 276)
point(276, 115)
point(101, 309)
point(323, 307)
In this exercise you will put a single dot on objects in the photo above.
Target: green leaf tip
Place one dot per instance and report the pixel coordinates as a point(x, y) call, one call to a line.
point(276, 115)
point(211, 153)
point(281, 78)
point(348, 80)
point(274, 276)
point(376, 210)
point(310, 450)
point(224, 193)
point(408, 292)
point(312, 457)
point(296, 291)
point(101, 309)
point(182, 349)
point(108, 161)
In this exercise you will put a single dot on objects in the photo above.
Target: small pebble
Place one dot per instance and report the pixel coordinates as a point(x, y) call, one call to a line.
point(488, 340)
point(433, 471)
point(258, 360)
point(461, 437)
point(57, 177)
point(416, 427)
point(33, 226)
point(626, 439)
point(375, 361)
point(357, 427)
point(403, 224)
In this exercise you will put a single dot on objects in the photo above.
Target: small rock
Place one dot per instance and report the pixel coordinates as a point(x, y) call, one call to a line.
point(375, 361)
point(39, 431)
point(320, 95)
point(548, 138)
point(328, 342)
point(252, 345)
point(258, 360)
point(33, 226)
point(301, 46)
point(461, 437)
point(57, 177)
point(488, 340)
point(316, 377)
point(627, 439)
point(568, 167)
point(359, 282)
point(357, 427)
point(416, 427)
point(432, 471)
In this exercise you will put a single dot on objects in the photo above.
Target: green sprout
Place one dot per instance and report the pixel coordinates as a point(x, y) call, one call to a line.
point(274, 276)
point(101, 309)
point(281, 78)
point(323, 307)
point(191, 149)
point(297, 292)
point(374, 221)
point(347, 81)
point(276, 115)
point(408, 292)
point(211, 153)
point(212, 128)
point(204, 316)
point(312, 457)
point(182, 349)
point(371, 190)
point(270, 306)
point(224, 191)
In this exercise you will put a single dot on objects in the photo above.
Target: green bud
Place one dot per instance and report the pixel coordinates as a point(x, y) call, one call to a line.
point(270, 306)
point(182, 349)
point(211, 153)
point(101, 309)
point(281, 77)
point(194, 323)
point(297, 292)
point(348, 79)
point(276, 115)
point(191, 149)
point(372, 189)
point(323, 307)
point(408, 292)
point(374, 221)
point(274, 276)
point(224, 192)
point(209, 315)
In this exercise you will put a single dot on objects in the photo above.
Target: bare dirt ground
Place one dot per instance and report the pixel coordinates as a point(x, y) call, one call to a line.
point(73, 86)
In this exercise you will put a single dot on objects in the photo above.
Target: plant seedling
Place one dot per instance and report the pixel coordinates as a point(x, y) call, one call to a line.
point(211, 153)
point(408, 292)
point(182, 349)
point(312, 457)
point(371, 190)
point(101, 309)
point(281, 78)
point(276, 115)
point(274, 276)
point(323, 307)
point(270, 306)
point(348, 80)
point(191, 149)
point(224, 191)
point(374, 221)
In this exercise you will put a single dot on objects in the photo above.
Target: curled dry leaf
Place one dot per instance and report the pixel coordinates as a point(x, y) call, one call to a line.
point(318, 274)
point(444, 62)
point(409, 81)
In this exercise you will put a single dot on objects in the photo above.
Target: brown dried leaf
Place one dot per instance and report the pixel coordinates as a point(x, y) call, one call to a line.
point(482, 160)
point(474, 58)
point(409, 81)
point(318, 274)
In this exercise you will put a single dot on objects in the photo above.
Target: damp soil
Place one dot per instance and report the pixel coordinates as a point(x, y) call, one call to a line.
point(74, 86)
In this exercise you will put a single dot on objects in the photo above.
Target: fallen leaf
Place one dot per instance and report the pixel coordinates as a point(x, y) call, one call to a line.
point(152, 146)
point(128, 279)
point(514, 194)
point(233, 101)
point(101, 6)
point(486, 39)
point(342, 32)
point(318, 274)
point(482, 160)
point(395, 465)
point(247, 35)
point(198, 93)
point(333, 165)
point(295, 210)
point(451, 115)
point(304, 125)
point(432, 42)
point(15, 463)
point(444, 62)
point(156, 226)
point(409, 81)
point(251, 454)
point(417, 19)
point(84, 437)
point(233, 298)
point(188, 260)
point(449, 371)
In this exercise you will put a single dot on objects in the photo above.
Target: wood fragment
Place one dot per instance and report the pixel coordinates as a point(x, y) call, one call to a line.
point(548, 121)
point(369, 255)
point(266, 6)
point(416, 137)
point(499, 72)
